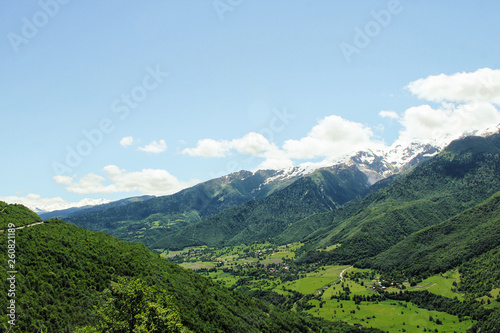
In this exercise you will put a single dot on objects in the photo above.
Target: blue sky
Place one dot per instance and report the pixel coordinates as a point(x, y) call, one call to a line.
point(111, 99)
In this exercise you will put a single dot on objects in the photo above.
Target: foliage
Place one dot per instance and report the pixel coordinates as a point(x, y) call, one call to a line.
point(132, 306)
point(481, 274)
point(147, 221)
point(16, 214)
point(447, 245)
point(62, 271)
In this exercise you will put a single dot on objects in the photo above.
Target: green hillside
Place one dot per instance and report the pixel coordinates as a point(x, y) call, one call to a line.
point(146, 221)
point(462, 176)
point(16, 214)
point(259, 220)
point(447, 245)
point(62, 271)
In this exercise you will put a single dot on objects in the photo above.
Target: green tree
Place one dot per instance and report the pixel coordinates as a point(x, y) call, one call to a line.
point(130, 306)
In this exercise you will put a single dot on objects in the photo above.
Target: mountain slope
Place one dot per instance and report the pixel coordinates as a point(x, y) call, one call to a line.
point(61, 270)
point(146, 221)
point(16, 214)
point(259, 220)
point(446, 245)
point(463, 175)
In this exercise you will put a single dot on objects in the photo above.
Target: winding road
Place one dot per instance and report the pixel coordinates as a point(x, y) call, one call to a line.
point(23, 226)
point(342, 273)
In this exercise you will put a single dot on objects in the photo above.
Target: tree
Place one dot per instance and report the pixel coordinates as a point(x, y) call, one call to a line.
point(130, 306)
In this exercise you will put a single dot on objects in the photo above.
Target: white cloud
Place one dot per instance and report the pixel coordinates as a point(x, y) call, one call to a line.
point(332, 136)
point(447, 121)
point(126, 141)
point(63, 180)
point(275, 159)
point(154, 147)
point(481, 85)
point(37, 202)
point(467, 102)
point(388, 114)
point(146, 181)
point(208, 148)
point(250, 144)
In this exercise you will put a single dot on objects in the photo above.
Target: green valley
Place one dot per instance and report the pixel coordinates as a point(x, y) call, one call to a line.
point(62, 271)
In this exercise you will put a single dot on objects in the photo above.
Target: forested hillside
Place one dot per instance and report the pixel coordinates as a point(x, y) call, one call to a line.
point(16, 214)
point(259, 220)
point(147, 221)
point(446, 245)
point(462, 176)
point(62, 270)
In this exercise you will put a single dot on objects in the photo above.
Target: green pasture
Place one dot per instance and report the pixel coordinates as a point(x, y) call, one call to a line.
point(389, 316)
point(491, 302)
point(440, 285)
point(316, 280)
point(197, 265)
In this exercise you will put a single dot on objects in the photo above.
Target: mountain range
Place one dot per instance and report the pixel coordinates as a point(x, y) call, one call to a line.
point(154, 221)
point(408, 213)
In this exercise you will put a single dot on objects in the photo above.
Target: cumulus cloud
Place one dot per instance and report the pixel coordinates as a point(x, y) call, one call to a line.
point(63, 180)
point(388, 114)
point(250, 144)
point(208, 148)
point(275, 159)
point(332, 136)
point(154, 147)
point(481, 85)
point(126, 141)
point(447, 121)
point(467, 102)
point(146, 181)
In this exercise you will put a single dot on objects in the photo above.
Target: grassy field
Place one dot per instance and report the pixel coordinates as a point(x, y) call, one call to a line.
point(316, 280)
point(326, 285)
point(390, 316)
point(491, 302)
point(440, 284)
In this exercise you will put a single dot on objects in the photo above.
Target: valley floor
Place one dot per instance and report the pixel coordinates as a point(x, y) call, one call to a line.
point(334, 293)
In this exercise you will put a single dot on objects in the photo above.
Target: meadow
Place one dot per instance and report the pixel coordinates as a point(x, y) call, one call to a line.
point(264, 266)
